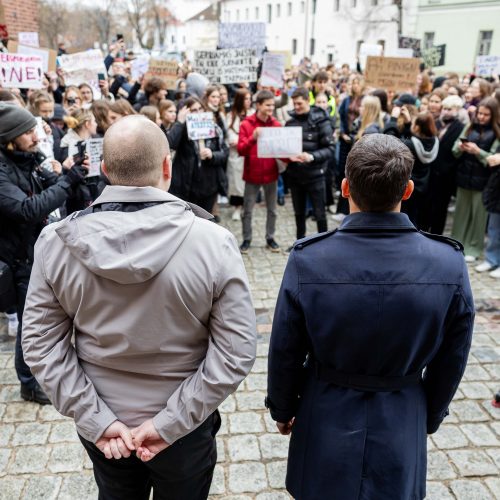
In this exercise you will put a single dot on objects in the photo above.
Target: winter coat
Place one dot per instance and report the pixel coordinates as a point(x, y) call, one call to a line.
point(491, 192)
point(317, 140)
point(256, 170)
point(446, 163)
point(425, 151)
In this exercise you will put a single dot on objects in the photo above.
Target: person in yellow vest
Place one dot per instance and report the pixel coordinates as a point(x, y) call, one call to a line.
point(319, 86)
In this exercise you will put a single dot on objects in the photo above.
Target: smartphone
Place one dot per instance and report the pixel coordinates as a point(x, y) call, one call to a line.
point(463, 140)
point(100, 76)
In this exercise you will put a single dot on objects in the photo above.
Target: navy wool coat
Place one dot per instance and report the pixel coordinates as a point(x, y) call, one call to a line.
point(378, 300)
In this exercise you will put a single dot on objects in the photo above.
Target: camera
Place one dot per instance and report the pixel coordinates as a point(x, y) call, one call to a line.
point(71, 102)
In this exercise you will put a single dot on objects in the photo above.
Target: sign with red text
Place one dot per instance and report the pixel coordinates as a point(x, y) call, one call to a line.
point(166, 70)
point(28, 38)
point(273, 69)
point(200, 126)
point(21, 71)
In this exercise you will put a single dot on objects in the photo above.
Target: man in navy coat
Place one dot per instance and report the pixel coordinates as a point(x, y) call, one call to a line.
point(370, 339)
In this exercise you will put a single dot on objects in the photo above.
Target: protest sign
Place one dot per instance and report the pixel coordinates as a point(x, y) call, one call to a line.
point(166, 70)
point(45, 142)
point(287, 54)
point(200, 126)
point(273, 68)
point(20, 71)
point(392, 73)
point(227, 65)
point(94, 150)
point(406, 42)
point(279, 142)
point(369, 49)
point(49, 56)
point(243, 35)
point(28, 38)
point(487, 65)
point(139, 67)
point(435, 56)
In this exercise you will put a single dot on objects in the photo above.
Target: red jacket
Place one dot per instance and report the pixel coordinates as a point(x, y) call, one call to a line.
point(256, 170)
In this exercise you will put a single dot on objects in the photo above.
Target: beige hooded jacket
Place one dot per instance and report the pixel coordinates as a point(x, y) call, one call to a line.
point(159, 303)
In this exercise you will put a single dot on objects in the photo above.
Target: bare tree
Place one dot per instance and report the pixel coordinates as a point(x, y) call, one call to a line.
point(53, 17)
point(138, 13)
point(161, 17)
point(104, 17)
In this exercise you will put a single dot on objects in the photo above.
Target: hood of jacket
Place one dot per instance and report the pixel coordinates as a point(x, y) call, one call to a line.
point(70, 139)
point(315, 115)
point(426, 149)
point(128, 247)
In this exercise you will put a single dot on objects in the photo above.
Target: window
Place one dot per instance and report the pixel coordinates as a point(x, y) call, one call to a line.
point(237, 14)
point(228, 15)
point(294, 46)
point(313, 7)
point(172, 39)
point(289, 8)
point(428, 39)
point(302, 7)
point(330, 57)
point(256, 13)
point(312, 46)
point(354, 3)
point(247, 14)
point(381, 42)
point(269, 13)
point(336, 5)
point(485, 38)
point(278, 10)
point(358, 46)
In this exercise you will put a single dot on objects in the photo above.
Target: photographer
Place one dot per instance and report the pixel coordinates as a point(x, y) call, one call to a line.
point(28, 194)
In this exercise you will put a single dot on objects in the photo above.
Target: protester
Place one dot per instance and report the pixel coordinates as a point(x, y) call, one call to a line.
point(319, 86)
point(342, 377)
point(81, 127)
point(164, 324)
point(212, 102)
point(100, 110)
point(72, 99)
point(119, 109)
point(152, 113)
point(436, 103)
point(155, 89)
point(370, 120)
point(87, 95)
point(168, 114)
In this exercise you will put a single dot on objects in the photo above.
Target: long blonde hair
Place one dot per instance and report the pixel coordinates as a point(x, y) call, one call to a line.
point(372, 113)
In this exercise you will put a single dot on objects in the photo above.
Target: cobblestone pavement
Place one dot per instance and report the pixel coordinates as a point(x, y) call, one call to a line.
point(40, 456)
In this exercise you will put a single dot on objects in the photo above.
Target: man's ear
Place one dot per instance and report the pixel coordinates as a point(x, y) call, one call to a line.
point(345, 188)
point(409, 190)
point(103, 168)
point(167, 167)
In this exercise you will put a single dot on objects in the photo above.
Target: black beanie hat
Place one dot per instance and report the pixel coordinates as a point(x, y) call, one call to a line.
point(14, 121)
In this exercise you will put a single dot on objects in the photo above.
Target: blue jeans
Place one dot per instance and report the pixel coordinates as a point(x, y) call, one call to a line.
point(492, 252)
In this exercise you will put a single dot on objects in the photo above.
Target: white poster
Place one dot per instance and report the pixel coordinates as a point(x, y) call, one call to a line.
point(20, 71)
point(487, 65)
point(227, 65)
point(94, 150)
point(369, 49)
point(243, 35)
point(29, 38)
point(279, 142)
point(273, 69)
point(200, 126)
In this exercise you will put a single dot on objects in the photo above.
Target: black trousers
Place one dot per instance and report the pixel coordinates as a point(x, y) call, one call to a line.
point(205, 202)
point(442, 188)
point(316, 192)
point(181, 472)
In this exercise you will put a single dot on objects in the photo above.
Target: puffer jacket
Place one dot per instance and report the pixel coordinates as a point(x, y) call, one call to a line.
point(491, 192)
point(425, 151)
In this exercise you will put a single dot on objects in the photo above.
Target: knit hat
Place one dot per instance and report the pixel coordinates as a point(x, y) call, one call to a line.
point(196, 84)
point(59, 112)
point(14, 121)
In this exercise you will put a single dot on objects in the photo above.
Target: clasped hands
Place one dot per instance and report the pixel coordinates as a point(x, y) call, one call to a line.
point(118, 441)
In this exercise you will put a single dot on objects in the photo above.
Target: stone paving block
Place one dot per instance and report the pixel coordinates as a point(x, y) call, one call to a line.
point(430, 445)
point(48, 413)
point(475, 372)
point(472, 463)
point(494, 453)
point(224, 425)
point(221, 450)
point(449, 436)
point(6, 431)
point(496, 427)
point(64, 431)
point(78, 487)
point(66, 458)
point(10, 393)
point(270, 423)
point(32, 433)
point(11, 487)
point(29, 459)
point(493, 484)
point(273, 495)
point(244, 447)
point(4, 460)
point(229, 405)
point(260, 366)
point(480, 434)
point(87, 463)
point(493, 369)
point(245, 422)
point(256, 382)
point(482, 339)
point(42, 488)
point(475, 390)
point(276, 473)
point(469, 490)
point(486, 354)
point(250, 400)
point(235, 497)
point(8, 376)
point(21, 412)
point(494, 412)
point(249, 477)
point(438, 466)
point(437, 491)
point(218, 486)
point(2, 410)
point(274, 445)
point(3, 360)
point(262, 349)
point(468, 411)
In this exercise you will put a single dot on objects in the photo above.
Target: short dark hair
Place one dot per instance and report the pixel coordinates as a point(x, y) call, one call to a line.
point(301, 92)
point(153, 85)
point(321, 76)
point(263, 95)
point(378, 169)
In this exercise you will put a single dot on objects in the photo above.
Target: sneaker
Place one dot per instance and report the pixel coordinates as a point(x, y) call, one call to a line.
point(245, 246)
point(281, 200)
point(236, 214)
point(339, 217)
point(495, 273)
point(470, 258)
point(331, 209)
point(272, 245)
point(484, 266)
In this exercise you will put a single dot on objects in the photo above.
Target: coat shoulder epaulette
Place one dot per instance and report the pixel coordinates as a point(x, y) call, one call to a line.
point(444, 239)
point(299, 245)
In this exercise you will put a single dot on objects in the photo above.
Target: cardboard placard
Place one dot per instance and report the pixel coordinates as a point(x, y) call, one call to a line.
point(407, 42)
point(20, 71)
point(166, 70)
point(227, 65)
point(28, 38)
point(200, 126)
point(48, 56)
point(94, 150)
point(487, 65)
point(279, 142)
point(392, 73)
point(435, 56)
point(273, 68)
point(243, 35)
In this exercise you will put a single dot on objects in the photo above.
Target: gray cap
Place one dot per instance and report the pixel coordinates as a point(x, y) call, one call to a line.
point(196, 84)
point(14, 121)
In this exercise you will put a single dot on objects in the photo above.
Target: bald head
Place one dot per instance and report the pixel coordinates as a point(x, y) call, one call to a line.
point(134, 152)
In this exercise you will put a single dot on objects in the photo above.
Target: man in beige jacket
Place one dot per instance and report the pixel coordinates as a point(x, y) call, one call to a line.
point(164, 329)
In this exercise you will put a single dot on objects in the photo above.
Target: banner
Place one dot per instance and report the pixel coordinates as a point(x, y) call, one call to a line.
point(243, 35)
point(487, 65)
point(435, 56)
point(49, 56)
point(20, 71)
point(406, 42)
point(392, 73)
point(273, 69)
point(227, 65)
point(279, 142)
point(166, 70)
point(28, 38)
point(200, 126)
point(94, 150)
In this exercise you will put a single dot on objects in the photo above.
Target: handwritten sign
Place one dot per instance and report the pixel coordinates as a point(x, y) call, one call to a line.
point(392, 73)
point(200, 126)
point(415, 44)
point(487, 65)
point(139, 67)
point(94, 150)
point(435, 56)
point(28, 38)
point(279, 142)
point(48, 56)
point(243, 35)
point(166, 70)
point(20, 71)
point(45, 142)
point(273, 68)
point(227, 65)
